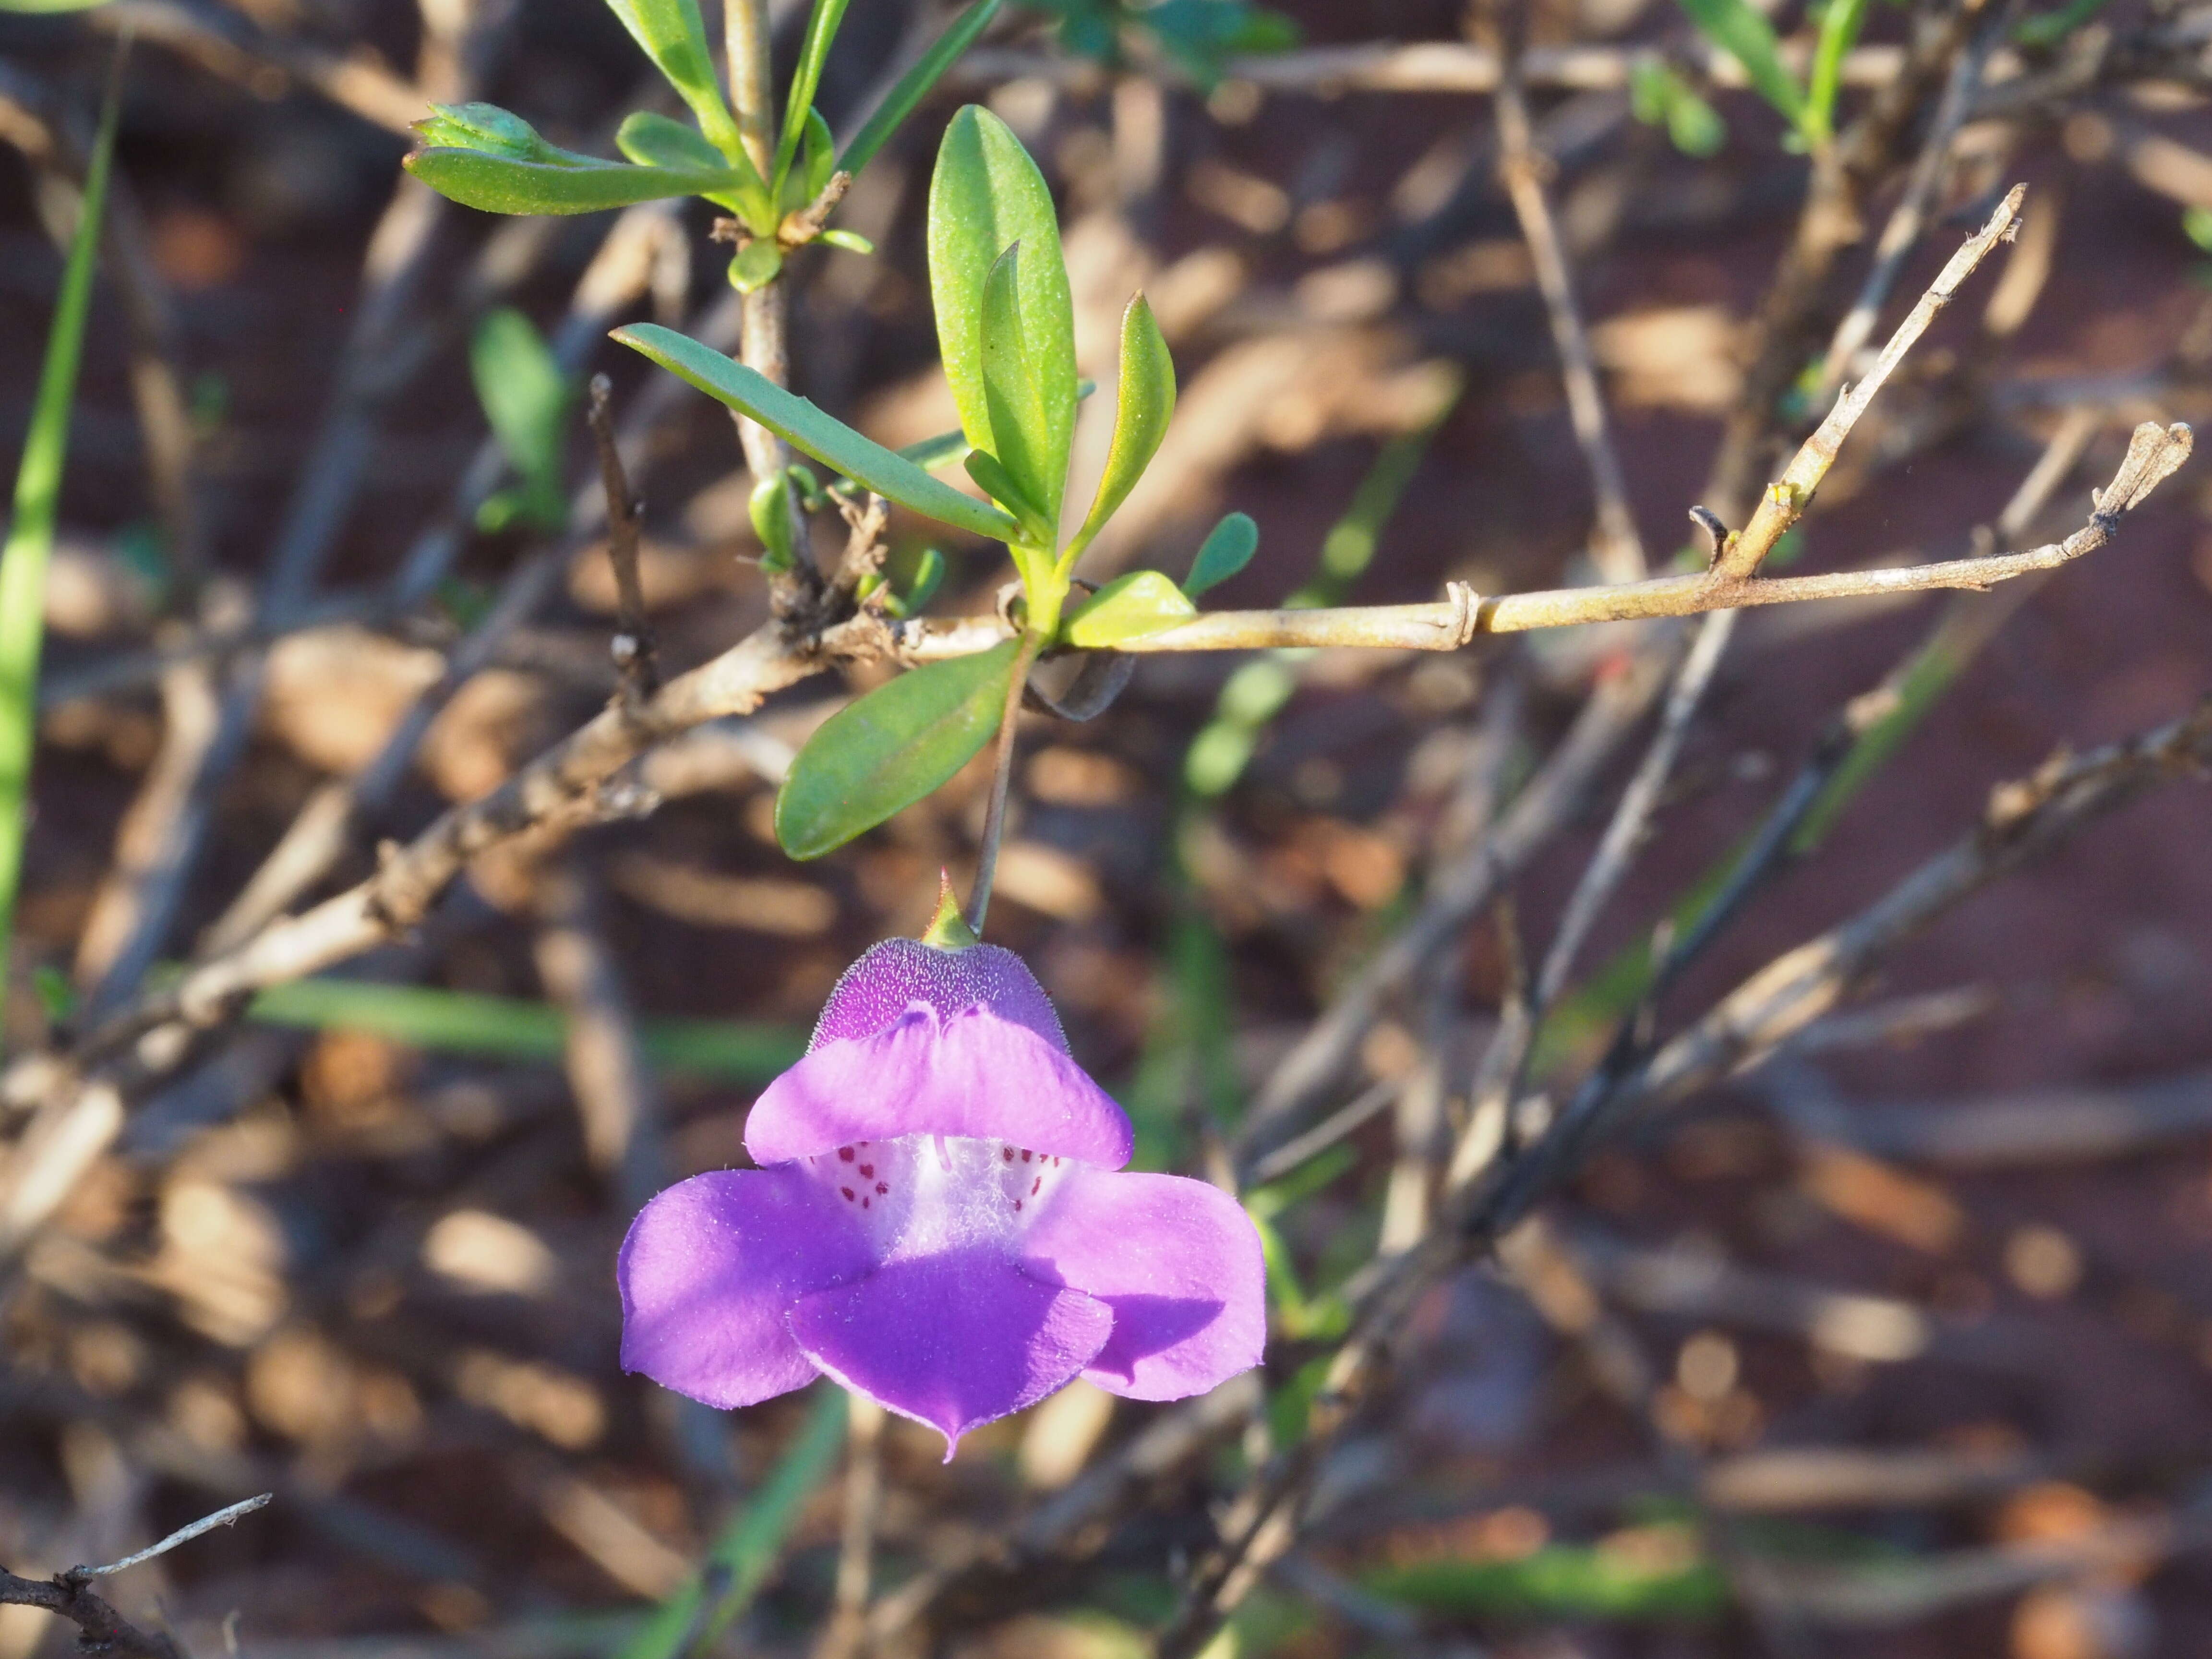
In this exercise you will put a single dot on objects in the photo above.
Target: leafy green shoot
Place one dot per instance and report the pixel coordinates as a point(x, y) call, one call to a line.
point(695, 1619)
point(915, 85)
point(512, 1028)
point(38, 501)
point(527, 398)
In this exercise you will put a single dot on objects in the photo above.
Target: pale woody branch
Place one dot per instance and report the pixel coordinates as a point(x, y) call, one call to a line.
point(1447, 624)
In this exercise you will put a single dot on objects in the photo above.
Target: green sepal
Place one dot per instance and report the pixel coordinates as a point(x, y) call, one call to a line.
point(889, 749)
point(948, 929)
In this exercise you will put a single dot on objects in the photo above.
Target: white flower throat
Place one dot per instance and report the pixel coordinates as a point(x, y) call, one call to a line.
point(922, 1194)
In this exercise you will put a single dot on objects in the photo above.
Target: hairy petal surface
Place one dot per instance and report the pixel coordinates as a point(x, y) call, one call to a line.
point(1179, 1263)
point(894, 976)
point(710, 1268)
point(973, 1075)
point(951, 1341)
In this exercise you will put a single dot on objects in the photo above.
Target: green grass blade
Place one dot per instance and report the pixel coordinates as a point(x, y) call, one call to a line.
point(513, 1028)
point(738, 1564)
point(1839, 32)
point(914, 86)
point(38, 500)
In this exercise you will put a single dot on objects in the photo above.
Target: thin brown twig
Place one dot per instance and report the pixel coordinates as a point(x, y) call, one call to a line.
point(1615, 548)
point(636, 665)
point(100, 1629)
point(1002, 769)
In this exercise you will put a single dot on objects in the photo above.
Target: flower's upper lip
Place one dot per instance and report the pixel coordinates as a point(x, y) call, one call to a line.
point(973, 1073)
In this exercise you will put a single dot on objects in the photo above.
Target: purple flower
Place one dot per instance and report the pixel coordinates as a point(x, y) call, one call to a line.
point(936, 1222)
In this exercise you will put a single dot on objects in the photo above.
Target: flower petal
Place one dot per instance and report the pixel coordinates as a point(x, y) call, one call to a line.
point(891, 977)
point(710, 1268)
point(951, 1341)
point(1179, 1263)
point(973, 1074)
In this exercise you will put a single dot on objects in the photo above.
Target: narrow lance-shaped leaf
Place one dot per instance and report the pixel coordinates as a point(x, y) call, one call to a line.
point(38, 495)
point(985, 196)
point(1840, 31)
point(1020, 422)
point(1147, 395)
point(526, 398)
point(896, 744)
point(1128, 608)
point(828, 440)
point(499, 184)
point(821, 30)
point(915, 85)
point(1748, 38)
point(675, 39)
point(1228, 547)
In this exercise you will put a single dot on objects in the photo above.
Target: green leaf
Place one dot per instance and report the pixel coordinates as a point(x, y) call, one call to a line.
point(2196, 226)
point(1020, 420)
point(689, 1622)
point(1748, 38)
point(1563, 1581)
point(492, 130)
point(988, 471)
point(1128, 608)
point(921, 587)
point(985, 196)
point(770, 508)
point(1228, 547)
point(915, 85)
point(675, 39)
point(1840, 22)
point(1146, 400)
point(829, 441)
point(526, 398)
point(499, 184)
point(38, 495)
point(513, 1028)
point(889, 749)
point(821, 29)
point(653, 140)
point(756, 267)
point(806, 181)
point(45, 7)
point(853, 242)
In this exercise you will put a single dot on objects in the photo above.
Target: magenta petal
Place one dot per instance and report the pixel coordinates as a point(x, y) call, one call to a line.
point(891, 977)
point(1179, 1263)
point(710, 1269)
point(973, 1074)
point(951, 1341)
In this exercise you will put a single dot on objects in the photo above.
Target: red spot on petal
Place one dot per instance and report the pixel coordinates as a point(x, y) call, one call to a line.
point(864, 1203)
point(847, 1191)
point(845, 1153)
point(1008, 1154)
point(1018, 1204)
point(1025, 1154)
point(867, 1172)
point(882, 1186)
point(1055, 1162)
point(1035, 1185)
